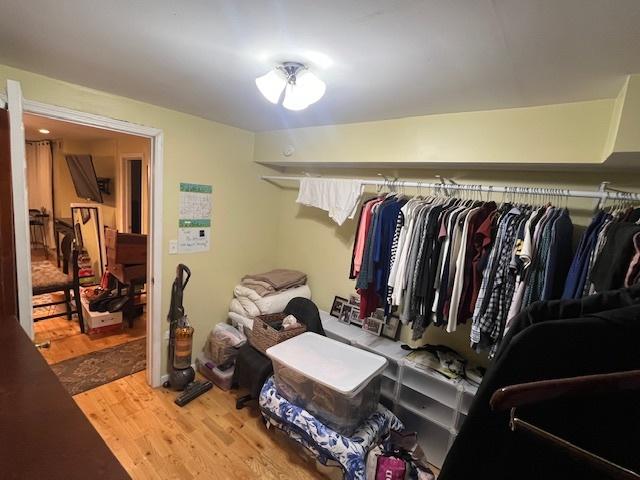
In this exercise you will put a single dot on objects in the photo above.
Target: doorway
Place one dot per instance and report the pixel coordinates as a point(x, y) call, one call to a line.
point(16, 106)
point(132, 179)
point(88, 280)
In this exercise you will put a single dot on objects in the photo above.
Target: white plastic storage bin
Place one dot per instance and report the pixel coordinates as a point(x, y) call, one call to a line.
point(337, 383)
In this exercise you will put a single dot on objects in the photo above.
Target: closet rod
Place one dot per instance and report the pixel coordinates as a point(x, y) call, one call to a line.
point(605, 195)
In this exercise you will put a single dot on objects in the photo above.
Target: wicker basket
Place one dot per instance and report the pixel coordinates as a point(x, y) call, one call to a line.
point(264, 335)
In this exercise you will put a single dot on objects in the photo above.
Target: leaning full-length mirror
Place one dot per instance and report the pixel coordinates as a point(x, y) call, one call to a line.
point(89, 233)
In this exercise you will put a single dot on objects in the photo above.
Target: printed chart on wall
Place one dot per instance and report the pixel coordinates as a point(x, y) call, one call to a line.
point(194, 221)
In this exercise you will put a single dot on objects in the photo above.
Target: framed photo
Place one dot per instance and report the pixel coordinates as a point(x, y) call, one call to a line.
point(379, 313)
point(391, 328)
point(345, 313)
point(373, 325)
point(355, 315)
point(337, 306)
point(354, 299)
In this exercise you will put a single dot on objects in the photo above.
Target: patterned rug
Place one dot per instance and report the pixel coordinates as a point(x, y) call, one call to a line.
point(97, 368)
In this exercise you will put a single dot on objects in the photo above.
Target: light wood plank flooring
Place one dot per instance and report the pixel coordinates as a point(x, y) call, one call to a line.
point(208, 439)
point(67, 341)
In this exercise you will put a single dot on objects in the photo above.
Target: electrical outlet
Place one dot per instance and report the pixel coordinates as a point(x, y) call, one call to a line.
point(173, 247)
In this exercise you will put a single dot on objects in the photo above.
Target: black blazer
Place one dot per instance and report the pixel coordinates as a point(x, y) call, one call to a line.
point(599, 342)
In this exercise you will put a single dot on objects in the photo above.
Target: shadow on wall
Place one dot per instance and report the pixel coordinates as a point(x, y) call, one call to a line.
point(345, 232)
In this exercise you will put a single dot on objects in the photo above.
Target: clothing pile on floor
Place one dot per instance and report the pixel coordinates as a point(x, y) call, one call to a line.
point(264, 293)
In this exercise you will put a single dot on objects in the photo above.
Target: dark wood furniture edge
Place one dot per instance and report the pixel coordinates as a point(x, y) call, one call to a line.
point(44, 433)
point(534, 392)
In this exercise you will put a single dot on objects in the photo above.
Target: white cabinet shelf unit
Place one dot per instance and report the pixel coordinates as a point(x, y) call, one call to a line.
point(423, 399)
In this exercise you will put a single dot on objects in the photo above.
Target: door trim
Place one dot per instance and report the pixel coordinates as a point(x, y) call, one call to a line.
point(154, 249)
point(21, 234)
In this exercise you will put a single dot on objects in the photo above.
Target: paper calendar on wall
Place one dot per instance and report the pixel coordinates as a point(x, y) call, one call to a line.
point(194, 224)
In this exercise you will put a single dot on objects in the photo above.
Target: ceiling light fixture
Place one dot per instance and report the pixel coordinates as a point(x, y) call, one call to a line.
point(301, 87)
point(44, 130)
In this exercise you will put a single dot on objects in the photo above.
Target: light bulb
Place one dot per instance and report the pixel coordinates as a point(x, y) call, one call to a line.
point(294, 98)
point(312, 87)
point(271, 85)
point(308, 89)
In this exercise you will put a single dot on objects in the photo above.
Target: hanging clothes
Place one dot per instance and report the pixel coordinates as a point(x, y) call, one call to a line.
point(445, 261)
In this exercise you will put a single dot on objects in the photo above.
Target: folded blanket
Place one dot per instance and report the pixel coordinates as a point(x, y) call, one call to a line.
point(248, 303)
point(280, 278)
point(261, 288)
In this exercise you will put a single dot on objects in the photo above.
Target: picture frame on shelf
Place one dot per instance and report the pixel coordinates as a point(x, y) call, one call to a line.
point(336, 306)
point(355, 316)
point(373, 325)
point(391, 328)
point(345, 313)
point(354, 299)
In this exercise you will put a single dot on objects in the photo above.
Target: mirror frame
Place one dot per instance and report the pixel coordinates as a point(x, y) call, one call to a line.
point(101, 241)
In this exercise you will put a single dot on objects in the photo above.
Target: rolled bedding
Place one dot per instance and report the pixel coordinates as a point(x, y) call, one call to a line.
point(240, 322)
point(248, 303)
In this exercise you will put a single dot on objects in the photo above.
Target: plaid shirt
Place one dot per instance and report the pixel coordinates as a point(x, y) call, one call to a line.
point(497, 286)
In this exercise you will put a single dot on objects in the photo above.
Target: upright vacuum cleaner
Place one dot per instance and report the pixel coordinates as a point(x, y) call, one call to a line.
point(181, 373)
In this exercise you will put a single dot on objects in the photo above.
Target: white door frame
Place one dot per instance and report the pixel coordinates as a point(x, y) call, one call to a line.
point(154, 255)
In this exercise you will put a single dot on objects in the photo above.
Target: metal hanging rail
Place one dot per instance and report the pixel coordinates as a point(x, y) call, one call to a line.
point(598, 194)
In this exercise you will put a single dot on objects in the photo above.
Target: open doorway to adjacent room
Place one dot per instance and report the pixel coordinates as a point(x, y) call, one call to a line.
point(88, 193)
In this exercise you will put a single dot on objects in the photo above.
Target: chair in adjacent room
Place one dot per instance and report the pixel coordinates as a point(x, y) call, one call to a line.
point(253, 368)
point(37, 225)
point(47, 279)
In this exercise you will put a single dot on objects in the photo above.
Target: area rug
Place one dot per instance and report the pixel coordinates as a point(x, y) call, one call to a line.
point(89, 371)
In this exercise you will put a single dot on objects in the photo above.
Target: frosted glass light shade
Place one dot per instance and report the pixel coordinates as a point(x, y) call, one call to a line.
point(271, 85)
point(294, 98)
point(311, 86)
point(301, 88)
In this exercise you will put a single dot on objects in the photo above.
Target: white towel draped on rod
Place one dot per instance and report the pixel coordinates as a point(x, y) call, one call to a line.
point(596, 194)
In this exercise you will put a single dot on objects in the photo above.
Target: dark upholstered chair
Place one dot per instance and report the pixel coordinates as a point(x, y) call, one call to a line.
point(47, 278)
point(253, 368)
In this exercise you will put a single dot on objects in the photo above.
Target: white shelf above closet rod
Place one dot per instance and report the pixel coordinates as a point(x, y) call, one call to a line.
point(604, 194)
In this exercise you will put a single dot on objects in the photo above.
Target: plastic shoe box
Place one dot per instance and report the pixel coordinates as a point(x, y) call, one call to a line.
point(222, 378)
point(337, 383)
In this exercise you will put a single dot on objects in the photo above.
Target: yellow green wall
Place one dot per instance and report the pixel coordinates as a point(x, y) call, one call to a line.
point(199, 151)
point(310, 241)
point(565, 133)
point(258, 226)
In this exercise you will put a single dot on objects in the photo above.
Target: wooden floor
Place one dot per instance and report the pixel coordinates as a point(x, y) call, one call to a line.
point(67, 341)
point(208, 439)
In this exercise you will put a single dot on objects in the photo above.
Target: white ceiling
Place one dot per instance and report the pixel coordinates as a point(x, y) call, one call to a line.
point(60, 130)
point(388, 58)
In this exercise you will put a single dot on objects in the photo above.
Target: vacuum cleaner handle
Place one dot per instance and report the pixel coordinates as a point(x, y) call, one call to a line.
point(181, 269)
point(176, 309)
